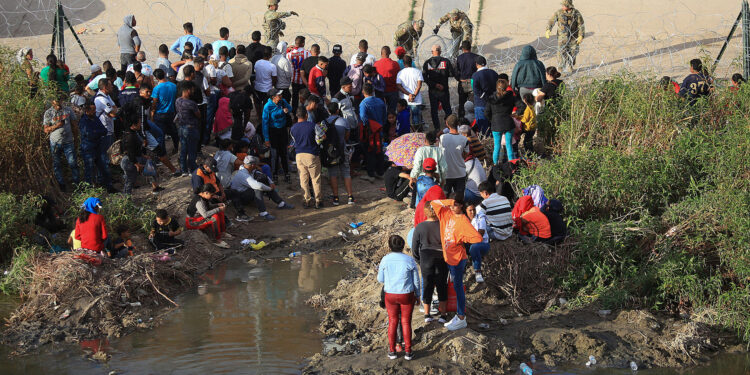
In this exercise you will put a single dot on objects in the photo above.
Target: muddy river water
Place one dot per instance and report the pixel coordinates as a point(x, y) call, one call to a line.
point(245, 320)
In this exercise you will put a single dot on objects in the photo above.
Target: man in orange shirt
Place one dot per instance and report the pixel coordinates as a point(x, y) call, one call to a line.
point(455, 231)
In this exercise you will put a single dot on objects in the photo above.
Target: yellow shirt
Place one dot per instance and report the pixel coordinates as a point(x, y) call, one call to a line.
point(76, 243)
point(528, 119)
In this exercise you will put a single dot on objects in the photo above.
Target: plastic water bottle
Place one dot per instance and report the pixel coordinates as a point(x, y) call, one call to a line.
point(533, 358)
point(525, 369)
point(592, 361)
point(633, 366)
point(295, 254)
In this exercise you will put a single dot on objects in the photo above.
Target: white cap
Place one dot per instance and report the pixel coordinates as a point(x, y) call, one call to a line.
point(95, 68)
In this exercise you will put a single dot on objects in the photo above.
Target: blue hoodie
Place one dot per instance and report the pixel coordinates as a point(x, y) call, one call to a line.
point(528, 72)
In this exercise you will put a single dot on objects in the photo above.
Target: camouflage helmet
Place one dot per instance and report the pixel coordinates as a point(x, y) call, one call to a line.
point(455, 12)
point(272, 2)
point(567, 3)
point(419, 24)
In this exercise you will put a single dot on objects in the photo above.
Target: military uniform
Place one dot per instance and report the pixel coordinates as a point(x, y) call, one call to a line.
point(461, 29)
point(570, 31)
point(273, 26)
point(408, 37)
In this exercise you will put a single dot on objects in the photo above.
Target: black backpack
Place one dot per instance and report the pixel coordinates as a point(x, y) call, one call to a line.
point(331, 153)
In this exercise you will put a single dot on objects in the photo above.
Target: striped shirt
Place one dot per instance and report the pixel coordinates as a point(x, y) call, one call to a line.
point(498, 212)
point(296, 57)
point(477, 148)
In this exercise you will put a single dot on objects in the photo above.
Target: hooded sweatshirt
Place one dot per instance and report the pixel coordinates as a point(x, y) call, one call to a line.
point(127, 37)
point(528, 72)
point(434, 193)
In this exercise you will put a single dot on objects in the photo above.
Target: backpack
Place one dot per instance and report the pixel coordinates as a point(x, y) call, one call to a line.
point(331, 153)
point(114, 152)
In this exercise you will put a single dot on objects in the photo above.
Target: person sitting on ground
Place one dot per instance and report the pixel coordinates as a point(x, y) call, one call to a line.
point(91, 229)
point(122, 246)
point(480, 249)
point(737, 81)
point(226, 162)
point(206, 216)
point(496, 208)
point(164, 229)
point(552, 210)
point(206, 174)
point(474, 176)
point(396, 180)
point(531, 223)
point(250, 184)
point(455, 231)
point(400, 278)
point(428, 251)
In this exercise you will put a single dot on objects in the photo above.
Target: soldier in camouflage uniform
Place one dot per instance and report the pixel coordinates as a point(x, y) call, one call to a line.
point(407, 36)
point(570, 31)
point(273, 26)
point(461, 28)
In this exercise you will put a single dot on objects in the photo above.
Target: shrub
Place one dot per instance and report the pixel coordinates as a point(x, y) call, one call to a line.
point(117, 208)
point(17, 220)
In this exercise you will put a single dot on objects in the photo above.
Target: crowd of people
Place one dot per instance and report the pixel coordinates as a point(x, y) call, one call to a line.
point(264, 106)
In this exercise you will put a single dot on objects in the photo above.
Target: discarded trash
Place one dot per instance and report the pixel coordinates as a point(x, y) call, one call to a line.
point(525, 369)
point(247, 241)
point(295, 254)
point(633, 366)
point(592, 361)
point(356, 225)
point(135, 304)
point(484, 325)
point(504, 322)
point(563, 301)
point(258, 246)
point(150, 319)
point(604, 313)
point(309, 237)
point(533, 358)
point(5, 273)
point(65, 314)
point(140, 320)
point(355, 232)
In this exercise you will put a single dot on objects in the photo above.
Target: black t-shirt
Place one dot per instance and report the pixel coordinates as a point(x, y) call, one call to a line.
point(161, 232)
point(426, 236)
point(307, 65)
point(336, 67)
point(556, 223)
point(391, 179)
point(550, 89)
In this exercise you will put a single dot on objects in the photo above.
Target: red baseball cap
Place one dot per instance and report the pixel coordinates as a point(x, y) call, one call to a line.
point(400, 51)
point(429, 164)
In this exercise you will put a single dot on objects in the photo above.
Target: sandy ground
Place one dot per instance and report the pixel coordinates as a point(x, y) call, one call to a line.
point(643, 35)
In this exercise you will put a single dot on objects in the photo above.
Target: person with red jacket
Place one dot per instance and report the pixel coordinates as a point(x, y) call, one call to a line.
point(91, 229)
point(317, 81)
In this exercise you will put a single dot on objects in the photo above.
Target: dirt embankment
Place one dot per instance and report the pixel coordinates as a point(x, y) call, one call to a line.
point(514, 314)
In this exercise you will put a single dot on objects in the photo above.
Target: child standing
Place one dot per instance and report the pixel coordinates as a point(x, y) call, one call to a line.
point(390, 127)
point(403, 119)
point(188, 126)
point(528, 123)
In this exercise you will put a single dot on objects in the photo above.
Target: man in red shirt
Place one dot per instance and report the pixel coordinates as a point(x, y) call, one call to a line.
point(389, 70)
point(317, 81)
point(296, 56)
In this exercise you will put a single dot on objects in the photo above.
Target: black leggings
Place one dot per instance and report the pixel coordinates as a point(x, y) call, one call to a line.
point(434, 275)
point(279, 142)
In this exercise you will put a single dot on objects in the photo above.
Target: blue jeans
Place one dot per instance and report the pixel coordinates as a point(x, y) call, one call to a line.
point(482, 125)
point(157, 132)
point(498, 145)
point(416, 115)
point(188, 148)
point(95, 162)
point(477, 251)
point(457, 275)
point(131, 174)
point(64, 152)
point(165, 121)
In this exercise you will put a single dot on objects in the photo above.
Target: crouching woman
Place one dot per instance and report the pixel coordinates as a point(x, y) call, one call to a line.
point(207, 216)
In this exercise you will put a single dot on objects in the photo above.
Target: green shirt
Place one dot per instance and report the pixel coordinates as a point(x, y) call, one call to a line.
point(61, 77)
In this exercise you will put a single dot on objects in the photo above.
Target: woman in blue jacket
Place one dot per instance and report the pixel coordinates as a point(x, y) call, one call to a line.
point(275, 132)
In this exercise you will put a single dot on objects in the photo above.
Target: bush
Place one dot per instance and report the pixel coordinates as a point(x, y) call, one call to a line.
point(16, 222)
point(657, 195)
point(117, 208)
point(19, 274)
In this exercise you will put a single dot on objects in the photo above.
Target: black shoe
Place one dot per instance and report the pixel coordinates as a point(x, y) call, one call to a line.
point(335, 201)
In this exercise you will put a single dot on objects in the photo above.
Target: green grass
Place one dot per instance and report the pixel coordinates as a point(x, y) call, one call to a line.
point(657, 195)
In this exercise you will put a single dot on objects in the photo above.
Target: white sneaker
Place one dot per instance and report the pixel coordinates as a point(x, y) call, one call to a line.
point(227, 235)
point(441, 320)
point(479, 277)
point(428, 319)
point(458, 324)
point(455, 317)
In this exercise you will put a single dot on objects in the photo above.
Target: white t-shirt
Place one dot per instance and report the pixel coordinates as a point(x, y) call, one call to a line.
point(480, 222)
point(224, 166)
point(370, 60)
point(104, 106)
point(409, 78)
point(227, 69)
point(209, 72)
point(264, 70)
point(476, 175)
